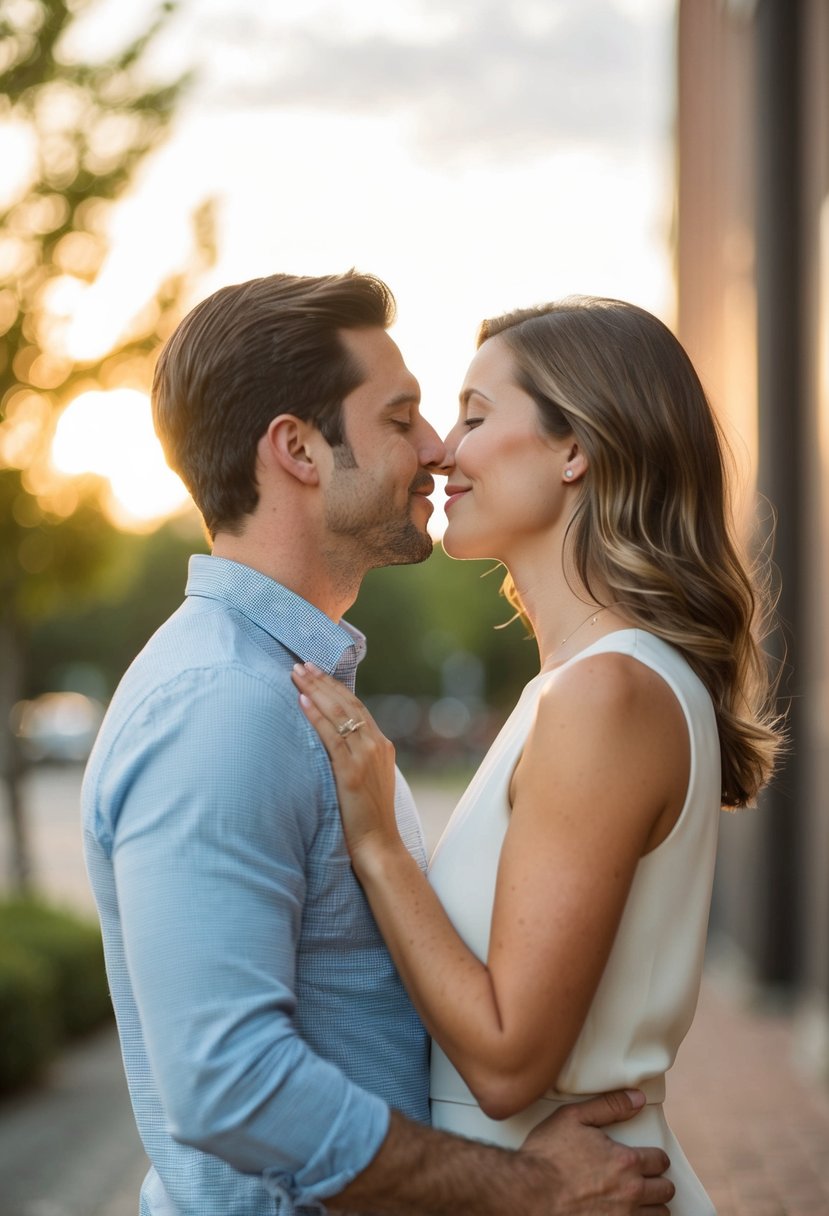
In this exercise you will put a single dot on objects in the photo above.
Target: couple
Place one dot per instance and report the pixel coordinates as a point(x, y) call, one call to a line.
point(273, 1040)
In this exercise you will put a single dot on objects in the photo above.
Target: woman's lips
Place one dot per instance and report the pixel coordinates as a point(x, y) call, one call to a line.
point(453, 494)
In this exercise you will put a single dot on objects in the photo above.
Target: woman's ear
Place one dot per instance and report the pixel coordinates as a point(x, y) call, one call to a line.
point(575, 466)
point(291, 444)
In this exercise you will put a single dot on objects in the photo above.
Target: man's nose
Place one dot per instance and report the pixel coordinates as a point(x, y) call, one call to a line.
point(450, 445)
point(431, 449)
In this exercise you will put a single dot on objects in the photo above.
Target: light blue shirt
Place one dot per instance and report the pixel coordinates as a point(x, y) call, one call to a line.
point(264, 1028)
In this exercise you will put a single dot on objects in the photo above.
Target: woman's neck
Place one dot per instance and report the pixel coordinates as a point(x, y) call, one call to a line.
point(565, 617)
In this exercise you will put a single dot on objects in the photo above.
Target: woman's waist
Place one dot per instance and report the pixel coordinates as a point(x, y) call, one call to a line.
point(447, 1085)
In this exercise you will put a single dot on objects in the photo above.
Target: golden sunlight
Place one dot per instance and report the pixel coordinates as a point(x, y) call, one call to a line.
point(111, 434)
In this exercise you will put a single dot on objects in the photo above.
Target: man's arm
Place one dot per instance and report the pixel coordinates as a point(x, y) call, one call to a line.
point(568, 1167)
point(208, 858)
point(213, 813)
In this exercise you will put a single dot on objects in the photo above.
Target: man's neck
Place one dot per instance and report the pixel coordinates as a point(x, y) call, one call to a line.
point(297, 564)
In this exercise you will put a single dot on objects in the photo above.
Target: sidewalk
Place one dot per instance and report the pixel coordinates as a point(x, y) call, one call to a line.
point(755, 1130)
point(69, 1147)
point(757, 1134)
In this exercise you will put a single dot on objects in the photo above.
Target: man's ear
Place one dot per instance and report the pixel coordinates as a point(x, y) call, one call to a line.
point(292, 445)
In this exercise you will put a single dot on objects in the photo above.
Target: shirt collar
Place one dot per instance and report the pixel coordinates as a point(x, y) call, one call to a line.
point(299, 626)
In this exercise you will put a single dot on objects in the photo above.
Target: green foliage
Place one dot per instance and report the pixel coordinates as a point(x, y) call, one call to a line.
point(70, 951)
point(145, 584)
point(28, 1028)
point(88, 126)
point(418, 619)
point(52, 985)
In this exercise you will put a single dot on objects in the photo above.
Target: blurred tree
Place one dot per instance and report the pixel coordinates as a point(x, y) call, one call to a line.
point(446, 660)
point(88, 126)
point(144, 584)
point(416, 618)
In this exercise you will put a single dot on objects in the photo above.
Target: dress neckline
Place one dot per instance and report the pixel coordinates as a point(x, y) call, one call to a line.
point(581, 654)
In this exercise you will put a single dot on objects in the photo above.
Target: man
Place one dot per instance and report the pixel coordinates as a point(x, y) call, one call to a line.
point(273, 1058)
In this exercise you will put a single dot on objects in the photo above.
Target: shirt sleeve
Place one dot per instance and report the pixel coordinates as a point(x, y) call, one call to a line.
point(213, 805)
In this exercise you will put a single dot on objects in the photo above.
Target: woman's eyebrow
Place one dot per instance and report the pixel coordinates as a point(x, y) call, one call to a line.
point(473, 392)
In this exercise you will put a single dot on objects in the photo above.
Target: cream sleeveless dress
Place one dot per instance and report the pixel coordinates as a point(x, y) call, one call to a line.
point(648, 993)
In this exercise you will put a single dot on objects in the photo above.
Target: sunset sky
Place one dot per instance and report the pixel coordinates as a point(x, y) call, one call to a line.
point(479, 156)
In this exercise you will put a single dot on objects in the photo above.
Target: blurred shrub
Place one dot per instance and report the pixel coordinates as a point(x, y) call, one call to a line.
point(28, 1021)
point(52, 984)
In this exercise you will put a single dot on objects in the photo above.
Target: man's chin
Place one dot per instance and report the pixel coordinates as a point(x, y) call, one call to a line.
point(411, 550)
point(424, 550)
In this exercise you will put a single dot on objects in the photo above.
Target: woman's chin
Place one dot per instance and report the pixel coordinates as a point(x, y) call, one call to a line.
point(464, 549)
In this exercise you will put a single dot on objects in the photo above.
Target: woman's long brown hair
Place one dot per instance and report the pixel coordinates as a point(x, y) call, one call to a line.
point(653, 527)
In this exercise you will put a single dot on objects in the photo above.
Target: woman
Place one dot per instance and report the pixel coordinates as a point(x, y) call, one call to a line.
point(558, 950)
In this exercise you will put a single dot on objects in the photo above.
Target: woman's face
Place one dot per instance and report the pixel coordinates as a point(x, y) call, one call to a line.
point(505, 485)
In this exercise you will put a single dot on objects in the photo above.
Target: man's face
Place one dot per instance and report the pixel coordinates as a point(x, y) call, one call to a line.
point(378, 486)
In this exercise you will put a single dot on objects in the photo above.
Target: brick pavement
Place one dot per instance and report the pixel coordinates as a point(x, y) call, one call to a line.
point(754, 1128)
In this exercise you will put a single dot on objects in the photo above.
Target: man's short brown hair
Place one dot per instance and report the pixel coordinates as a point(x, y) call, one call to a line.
point(246, 354)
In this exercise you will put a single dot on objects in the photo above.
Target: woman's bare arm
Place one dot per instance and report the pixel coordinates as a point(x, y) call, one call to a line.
point(603, 774)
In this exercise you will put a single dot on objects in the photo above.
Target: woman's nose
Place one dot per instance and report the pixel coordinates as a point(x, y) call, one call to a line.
point(450, 446)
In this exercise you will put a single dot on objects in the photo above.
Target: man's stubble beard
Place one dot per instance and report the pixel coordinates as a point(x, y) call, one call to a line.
point(376, 540)
point(360, 518)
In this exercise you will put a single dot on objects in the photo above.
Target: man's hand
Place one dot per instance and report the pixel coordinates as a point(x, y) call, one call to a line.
point(567, 1167)
point(595, 1175)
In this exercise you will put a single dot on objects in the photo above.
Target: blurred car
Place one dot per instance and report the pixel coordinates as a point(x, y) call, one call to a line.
point(57, 726)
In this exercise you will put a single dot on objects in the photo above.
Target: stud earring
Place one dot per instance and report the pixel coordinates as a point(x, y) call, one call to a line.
point(568, 473)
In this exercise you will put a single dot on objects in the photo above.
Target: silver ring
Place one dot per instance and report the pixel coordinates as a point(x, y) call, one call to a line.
point(349, 726)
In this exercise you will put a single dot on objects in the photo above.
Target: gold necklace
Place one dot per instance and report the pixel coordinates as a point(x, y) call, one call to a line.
point(573, 632)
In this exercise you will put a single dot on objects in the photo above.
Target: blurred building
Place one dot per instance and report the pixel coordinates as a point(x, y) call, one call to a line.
point(753, 273)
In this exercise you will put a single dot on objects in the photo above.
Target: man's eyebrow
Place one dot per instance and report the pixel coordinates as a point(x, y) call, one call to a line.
point(402, 399)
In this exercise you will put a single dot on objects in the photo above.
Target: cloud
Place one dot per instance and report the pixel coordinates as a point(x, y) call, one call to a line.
point(479, 79)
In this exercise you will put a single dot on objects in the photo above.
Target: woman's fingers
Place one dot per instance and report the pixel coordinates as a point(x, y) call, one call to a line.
point(328, 701)
point(324, 726)
point(330, 697)
point(361, 757)
point(337, 716)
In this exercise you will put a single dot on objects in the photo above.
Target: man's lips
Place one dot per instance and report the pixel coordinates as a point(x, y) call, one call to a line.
point(422, 490)
point(424, 486)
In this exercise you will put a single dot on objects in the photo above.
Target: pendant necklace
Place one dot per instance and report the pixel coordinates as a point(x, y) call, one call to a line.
point(573, 632)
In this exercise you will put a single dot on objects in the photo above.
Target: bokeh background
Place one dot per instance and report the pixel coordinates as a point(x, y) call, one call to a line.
point(478, 156)
point(475, 155)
